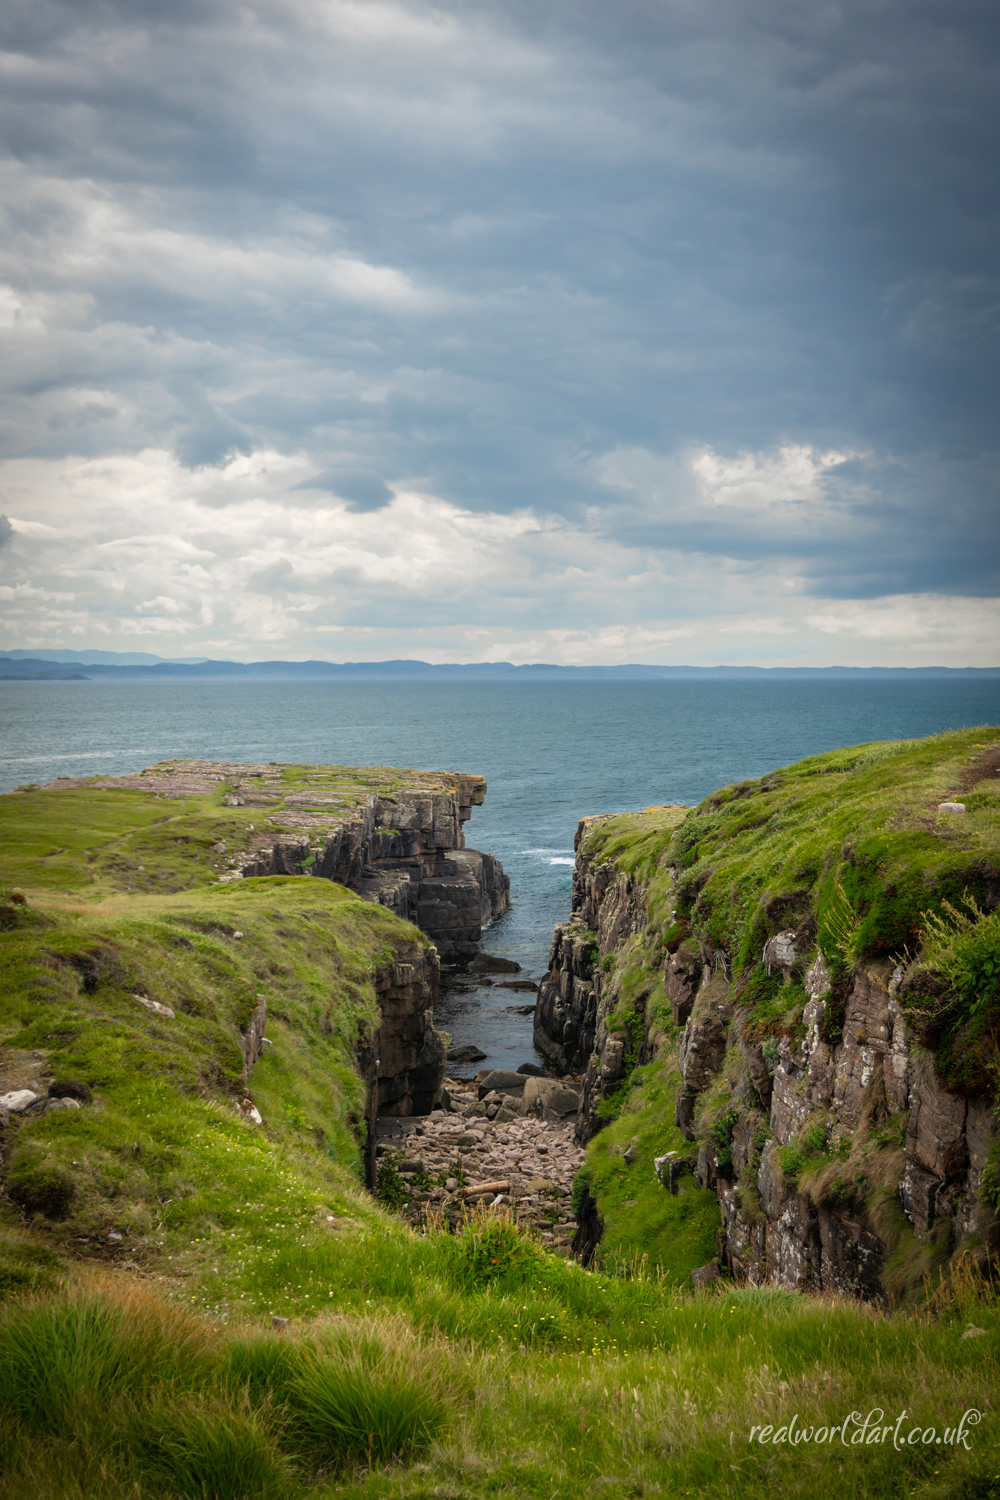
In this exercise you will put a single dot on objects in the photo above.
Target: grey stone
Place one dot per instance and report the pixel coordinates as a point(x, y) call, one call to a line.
point(489, 963)
point(659, 1162)
point(550, 1099)
point(500, 1079)
point(57, 1104)
point(155, 1006)
point(466, 1054)
point(18, 1100)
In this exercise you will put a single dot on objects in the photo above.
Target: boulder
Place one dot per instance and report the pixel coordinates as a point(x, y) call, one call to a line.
point(466, 1054)
point(499, 1079)
point(550, 1099)
point(702, 1275)
point(155, 1006)
point(781, 952)
point(56, 1104)
point(681, 977)
point(659, 1162)
point(702, 1048)
point(488, 963)
point(19, 1100)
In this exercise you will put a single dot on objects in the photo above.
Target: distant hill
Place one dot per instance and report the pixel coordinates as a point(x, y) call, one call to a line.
point(76, 665)
point(93, 658)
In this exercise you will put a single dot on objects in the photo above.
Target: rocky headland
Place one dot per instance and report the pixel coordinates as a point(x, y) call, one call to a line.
point(391, 836)
point(220, 830)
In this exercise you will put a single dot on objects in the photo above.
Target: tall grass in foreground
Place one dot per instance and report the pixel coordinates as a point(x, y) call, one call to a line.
point(111, 1393)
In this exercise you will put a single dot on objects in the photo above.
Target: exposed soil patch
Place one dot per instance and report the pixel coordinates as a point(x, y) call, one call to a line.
point(986, 766)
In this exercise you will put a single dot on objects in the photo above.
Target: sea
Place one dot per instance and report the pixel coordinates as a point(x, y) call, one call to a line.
point(551, 753)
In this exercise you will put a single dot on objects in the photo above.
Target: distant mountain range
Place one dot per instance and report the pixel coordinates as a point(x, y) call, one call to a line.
point(62, 666)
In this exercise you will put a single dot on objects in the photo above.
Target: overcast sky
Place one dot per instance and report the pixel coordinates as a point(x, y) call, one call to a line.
point(649, 331)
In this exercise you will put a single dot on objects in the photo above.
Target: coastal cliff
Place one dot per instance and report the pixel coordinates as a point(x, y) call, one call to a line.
point(217, 847)
point(787, 997)
point(392, 836)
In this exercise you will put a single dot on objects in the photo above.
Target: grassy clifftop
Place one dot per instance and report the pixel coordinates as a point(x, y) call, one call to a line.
point(855, 836)
point(853, 845)
point(184, 824)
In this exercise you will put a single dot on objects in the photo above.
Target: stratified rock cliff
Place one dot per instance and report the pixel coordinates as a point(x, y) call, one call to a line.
point(607, 908)
point(404, 1057)
point(814, 959)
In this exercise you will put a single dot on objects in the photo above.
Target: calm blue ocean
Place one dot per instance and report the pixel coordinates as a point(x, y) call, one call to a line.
point(551, 752)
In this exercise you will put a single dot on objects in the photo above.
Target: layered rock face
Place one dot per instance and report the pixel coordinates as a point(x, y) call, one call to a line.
point(898, 1129)
point(572, 1010)
point(404, 1061)
point(408, 853)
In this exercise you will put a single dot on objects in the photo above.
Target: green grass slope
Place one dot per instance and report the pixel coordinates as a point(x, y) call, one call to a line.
point(854, 835)
point(161, 1169)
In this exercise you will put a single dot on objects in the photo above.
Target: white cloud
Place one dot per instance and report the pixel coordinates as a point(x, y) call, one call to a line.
point(758, 482)
point(913, 619)
point(230, 561)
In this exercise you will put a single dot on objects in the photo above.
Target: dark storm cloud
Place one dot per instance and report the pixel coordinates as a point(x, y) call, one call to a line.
point(477, 248)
